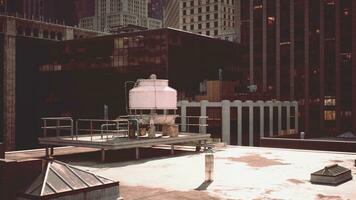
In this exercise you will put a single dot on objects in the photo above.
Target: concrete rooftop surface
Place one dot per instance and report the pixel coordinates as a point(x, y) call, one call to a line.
point(240, 173)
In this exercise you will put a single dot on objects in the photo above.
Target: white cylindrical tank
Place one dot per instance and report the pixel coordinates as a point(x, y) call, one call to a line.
point(152, 94)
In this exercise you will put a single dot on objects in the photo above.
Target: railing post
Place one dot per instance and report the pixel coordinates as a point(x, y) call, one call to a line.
point(225, 121)
point(71, 128)
point(183, 114)
point(44, 127)
point(77, 129)
point(202, 121)
point(57, 127)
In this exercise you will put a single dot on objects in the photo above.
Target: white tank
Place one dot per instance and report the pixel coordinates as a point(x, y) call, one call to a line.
point(152, 94)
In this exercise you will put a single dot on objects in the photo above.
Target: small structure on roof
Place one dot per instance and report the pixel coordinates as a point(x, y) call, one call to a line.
point(62, 181)
point(331, 175)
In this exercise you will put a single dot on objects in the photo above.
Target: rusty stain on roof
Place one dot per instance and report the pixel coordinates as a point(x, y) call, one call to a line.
point(295, 181)
point(256, 160)
point(326, 197)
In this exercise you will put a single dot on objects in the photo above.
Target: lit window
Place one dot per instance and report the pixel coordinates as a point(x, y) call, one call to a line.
point(329, 115)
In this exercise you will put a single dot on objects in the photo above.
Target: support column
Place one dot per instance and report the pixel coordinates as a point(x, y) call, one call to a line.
point(250, 105)
point(278, 49)
point(225, 121)
point(239, 122)
point(238, 20)
point(296, 116)
point(251, 45)
point(102, 155)
point(338, 65)
point(264, 45)
point(262, 118)
point(292, 56)
point(306, 67)
point(183, 113)
point(203, 105)
point(9, 85)
point(279, 106)
point(287, 105)
point(353, 69)
point(322, 65)
point(270, 110)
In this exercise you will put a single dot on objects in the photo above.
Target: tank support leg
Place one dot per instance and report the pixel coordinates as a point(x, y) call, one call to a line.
point(102, 155)
point(172, 149)
point(137, 153)
point(52, 151)
point(47, 152)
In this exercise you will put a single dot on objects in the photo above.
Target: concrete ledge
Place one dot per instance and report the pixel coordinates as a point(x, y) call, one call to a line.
point(309, 144)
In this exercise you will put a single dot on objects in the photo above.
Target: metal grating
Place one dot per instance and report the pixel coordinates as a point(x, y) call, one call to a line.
point(331, 175)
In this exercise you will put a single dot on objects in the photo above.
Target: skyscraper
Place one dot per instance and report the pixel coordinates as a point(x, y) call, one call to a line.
point(113, 13)
point(208, 17)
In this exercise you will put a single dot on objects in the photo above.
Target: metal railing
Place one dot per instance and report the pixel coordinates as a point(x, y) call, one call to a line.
point(110, 128)
point(57, 124)
point(106, 128)
point(188, 122)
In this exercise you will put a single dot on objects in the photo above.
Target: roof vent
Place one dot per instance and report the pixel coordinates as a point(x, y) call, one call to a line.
point(331, 175)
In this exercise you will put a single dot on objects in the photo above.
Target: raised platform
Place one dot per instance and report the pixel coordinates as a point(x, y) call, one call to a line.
point(110, 142)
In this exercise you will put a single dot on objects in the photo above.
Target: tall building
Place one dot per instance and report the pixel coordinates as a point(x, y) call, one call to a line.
point(208, 17)
point(58, 11)
point(302, 50)
point(155, 9)
point(171, 14)
point(113, 13)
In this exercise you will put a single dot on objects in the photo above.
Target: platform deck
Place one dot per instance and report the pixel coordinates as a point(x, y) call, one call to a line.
point(111, 142)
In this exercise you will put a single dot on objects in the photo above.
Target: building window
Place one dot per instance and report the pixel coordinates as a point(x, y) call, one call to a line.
point(216, 32)
point(184, 12)
point(216, 24)
point(207, 32)
point(199, 18)
point(199, 10)
point(207, 25)
point(329, 115)
point(207, 17)
point(191, 27)
point(191, 11)
point(216, 7)
point(329, 101)
point(199, 26)
point(184, 4)
point(184, 28)
point(208, 9)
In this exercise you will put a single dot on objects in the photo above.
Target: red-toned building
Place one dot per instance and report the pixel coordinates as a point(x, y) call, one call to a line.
point(302, 50)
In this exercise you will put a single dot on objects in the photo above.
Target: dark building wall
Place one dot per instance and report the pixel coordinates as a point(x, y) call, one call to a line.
point(301, 50)
point(1, 87)
point(93, 71)
point(30, 53)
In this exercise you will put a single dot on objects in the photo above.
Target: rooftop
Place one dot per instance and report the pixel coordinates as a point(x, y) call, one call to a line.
point(240, 173)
